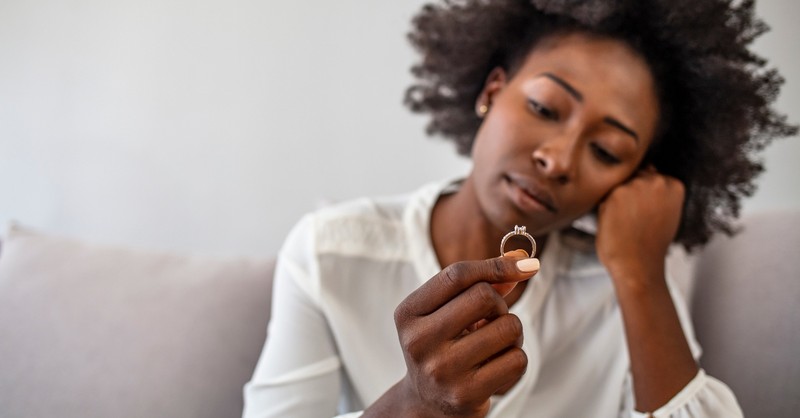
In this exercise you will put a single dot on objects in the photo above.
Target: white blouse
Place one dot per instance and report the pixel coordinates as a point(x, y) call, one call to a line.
point(332, 346)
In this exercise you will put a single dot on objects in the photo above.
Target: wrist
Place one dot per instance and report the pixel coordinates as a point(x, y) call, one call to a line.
point(401, 400)
point(637, 275)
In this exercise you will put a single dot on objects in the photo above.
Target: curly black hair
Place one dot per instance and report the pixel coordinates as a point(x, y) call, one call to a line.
point(716, 95)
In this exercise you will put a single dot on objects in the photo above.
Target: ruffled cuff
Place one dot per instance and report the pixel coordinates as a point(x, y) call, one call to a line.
point(350, 415)
point(703, 397)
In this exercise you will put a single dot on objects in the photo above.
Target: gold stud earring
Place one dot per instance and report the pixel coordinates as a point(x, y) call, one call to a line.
point(483, 110)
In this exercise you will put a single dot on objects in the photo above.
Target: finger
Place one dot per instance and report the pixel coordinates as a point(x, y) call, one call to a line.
point(645, 173)
point(458, 277)
point(505, 388)
point(500, 372)
point(676, 184)
point(476, 326)
point(478, 302)
point(505, 288)
point(519, 252)
point(493, 338)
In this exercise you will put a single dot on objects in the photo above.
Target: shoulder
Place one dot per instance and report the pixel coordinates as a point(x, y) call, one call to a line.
point(374, 227)
point(364, 227)
point(351, 231)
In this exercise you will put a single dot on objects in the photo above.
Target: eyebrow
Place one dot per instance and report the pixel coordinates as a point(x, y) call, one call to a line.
point(571, 90)
point(579, 97)
point(617, 124)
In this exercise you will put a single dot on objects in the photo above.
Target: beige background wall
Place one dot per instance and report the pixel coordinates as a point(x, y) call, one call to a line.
point(211, 127)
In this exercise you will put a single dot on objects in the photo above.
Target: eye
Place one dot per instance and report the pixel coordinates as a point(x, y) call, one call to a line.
point(603, 155)
point(543, 111)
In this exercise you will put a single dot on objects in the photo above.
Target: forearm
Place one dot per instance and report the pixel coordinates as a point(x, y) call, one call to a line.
point(661, 360)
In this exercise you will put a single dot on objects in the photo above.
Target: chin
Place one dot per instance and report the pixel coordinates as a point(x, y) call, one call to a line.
point(508, 219)
point(541, 227)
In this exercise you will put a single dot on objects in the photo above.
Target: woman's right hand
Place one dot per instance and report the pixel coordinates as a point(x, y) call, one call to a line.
point(460, 344)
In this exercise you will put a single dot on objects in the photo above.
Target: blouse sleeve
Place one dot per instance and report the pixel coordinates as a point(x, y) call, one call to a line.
point(703, 397)
point(297, 374)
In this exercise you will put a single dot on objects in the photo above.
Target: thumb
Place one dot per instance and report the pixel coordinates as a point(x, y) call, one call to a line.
point(505, 288)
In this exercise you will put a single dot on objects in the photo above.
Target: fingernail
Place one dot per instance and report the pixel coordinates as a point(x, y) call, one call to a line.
point(520, 252)
point(528, 265)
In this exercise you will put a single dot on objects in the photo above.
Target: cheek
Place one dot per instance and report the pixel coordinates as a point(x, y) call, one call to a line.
point(597, 184)
point(498, 137)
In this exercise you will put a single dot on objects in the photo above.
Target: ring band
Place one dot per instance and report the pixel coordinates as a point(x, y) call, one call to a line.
point(518, 230)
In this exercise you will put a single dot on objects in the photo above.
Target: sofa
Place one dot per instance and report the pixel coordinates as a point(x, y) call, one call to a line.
point(90, 330)
point(745, 306)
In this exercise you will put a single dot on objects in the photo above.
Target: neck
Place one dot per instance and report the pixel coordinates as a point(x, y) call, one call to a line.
point(460, 230)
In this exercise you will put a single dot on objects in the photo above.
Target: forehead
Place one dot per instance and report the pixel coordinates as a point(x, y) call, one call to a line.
point(610, 75)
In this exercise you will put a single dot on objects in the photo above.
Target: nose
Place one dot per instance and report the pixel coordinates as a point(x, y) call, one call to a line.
point(556, 159)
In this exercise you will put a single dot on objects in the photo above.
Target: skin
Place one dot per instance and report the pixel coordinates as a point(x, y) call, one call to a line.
point(565, 134)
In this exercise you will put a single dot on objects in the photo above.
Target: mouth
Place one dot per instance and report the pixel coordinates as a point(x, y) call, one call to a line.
point(531, 193)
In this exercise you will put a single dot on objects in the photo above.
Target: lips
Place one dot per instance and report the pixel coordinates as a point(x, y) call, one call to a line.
point(531, 190)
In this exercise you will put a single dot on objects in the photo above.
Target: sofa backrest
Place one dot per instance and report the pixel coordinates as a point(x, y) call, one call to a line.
point(746, 310)
point(96, 331)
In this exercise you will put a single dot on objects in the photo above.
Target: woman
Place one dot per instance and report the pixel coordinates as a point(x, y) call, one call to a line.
point(639, 114)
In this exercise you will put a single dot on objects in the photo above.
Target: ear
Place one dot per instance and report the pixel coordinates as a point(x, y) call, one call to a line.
point(495, 82)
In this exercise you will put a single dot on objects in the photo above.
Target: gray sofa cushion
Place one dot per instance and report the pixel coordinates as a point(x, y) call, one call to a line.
point(746, 309)
point(95, 331)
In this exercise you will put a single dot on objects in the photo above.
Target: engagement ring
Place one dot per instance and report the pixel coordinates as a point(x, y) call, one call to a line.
point(518, 230)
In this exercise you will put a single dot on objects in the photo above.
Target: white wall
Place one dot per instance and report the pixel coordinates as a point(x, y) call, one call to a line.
point(211, 127)
point(779, 187)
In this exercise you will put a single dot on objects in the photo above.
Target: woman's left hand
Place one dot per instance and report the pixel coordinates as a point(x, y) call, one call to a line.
point(637, 222)
point(635, 226)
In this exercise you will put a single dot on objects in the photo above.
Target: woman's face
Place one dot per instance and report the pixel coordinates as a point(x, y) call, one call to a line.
point(575, 121)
